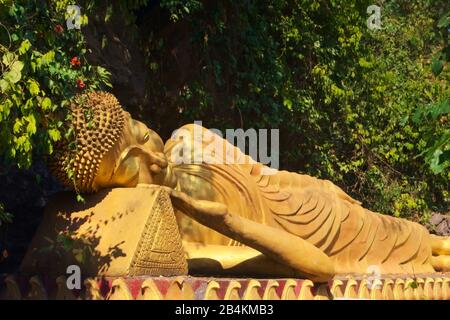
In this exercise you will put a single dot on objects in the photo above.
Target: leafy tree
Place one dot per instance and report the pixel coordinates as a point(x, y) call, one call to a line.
point(343, 96)
point(434, 116)
point(43, 66)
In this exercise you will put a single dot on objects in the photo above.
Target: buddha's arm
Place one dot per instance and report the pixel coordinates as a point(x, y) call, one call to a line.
point(280, 246)
point(233, 260)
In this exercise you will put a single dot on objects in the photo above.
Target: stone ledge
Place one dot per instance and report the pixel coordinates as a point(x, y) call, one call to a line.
point(424, 287)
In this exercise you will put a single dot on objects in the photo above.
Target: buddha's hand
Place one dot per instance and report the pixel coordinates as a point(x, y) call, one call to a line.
point(205, 212)
point(157, 162)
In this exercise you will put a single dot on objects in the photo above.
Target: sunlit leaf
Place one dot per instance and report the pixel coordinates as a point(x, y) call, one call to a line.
point(33, 87)
point(24, 46)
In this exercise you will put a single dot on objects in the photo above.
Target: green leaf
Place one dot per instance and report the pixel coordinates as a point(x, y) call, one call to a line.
point(33, 87)
point(54, 134)
point(444, 22)
point(8, 58)
point(4, 85)
point(31, 126)
point(24, 46)
point(6, 217)
point(440, 108)
point(80, 198)
point(23, 143)
point(48, 57)
point(68, 243)
point(46, 103)
point(17, 66)
point(436, 66)
point(14, 75)
point(364, 63)
point(104, 41)
point(79, 255)
point(17, 126)
point(435, 165)
point(109, 11)
point(287, 103)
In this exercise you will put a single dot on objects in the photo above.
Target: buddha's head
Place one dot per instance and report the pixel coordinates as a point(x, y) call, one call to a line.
point(110, 148)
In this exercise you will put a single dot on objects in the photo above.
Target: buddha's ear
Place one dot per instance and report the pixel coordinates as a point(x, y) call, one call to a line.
point(128, 152)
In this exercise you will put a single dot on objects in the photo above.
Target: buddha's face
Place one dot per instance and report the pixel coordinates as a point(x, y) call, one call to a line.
point(136, 157)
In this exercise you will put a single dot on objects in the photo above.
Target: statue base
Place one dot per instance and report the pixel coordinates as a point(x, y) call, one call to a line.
point(429, 287)
point(127, 245)
point(116, 232)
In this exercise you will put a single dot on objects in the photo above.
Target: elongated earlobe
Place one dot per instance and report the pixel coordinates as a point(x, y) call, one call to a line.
point(130, 151)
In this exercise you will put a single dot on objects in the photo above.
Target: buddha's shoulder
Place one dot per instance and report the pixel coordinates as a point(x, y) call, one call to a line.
point(191, 127)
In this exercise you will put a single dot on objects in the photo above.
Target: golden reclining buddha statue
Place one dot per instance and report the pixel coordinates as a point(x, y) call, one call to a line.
point(244, 218)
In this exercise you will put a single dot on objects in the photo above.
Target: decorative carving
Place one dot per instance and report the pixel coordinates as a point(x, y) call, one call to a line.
point(119, 290)
point(337, 288)
point(428, 288)
point(270, 293)
point(388, 289)
point(227, 289)
point(149, 291)
point(251, 293)
point(159, 250)
point(289, 290)
point(37, 289)
point(446, 289)
point(232, 292)
point(419, 290)
point(179, 289)
point(376, 289)
point(12, 291)
point(212, 290)
point(399, 289)
point(351, 289)
point(437, 289)
point(62, 292)
point(409, 289)
point(306, 290)
point(363, 290)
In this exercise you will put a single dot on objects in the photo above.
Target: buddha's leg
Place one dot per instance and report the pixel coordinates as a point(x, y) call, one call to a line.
point(280, 246)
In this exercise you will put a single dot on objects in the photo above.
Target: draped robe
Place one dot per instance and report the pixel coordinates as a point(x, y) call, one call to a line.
point(316, 210)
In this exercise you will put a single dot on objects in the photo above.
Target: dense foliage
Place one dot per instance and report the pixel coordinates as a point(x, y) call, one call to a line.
point(438, 154)
point(367, 109)
point(43, 66)
point(364, 108)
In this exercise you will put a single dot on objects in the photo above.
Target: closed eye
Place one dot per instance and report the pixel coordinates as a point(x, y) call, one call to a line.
point(145, 138)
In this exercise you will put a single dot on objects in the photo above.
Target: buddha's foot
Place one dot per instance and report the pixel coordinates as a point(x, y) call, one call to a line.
point(441, 253)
